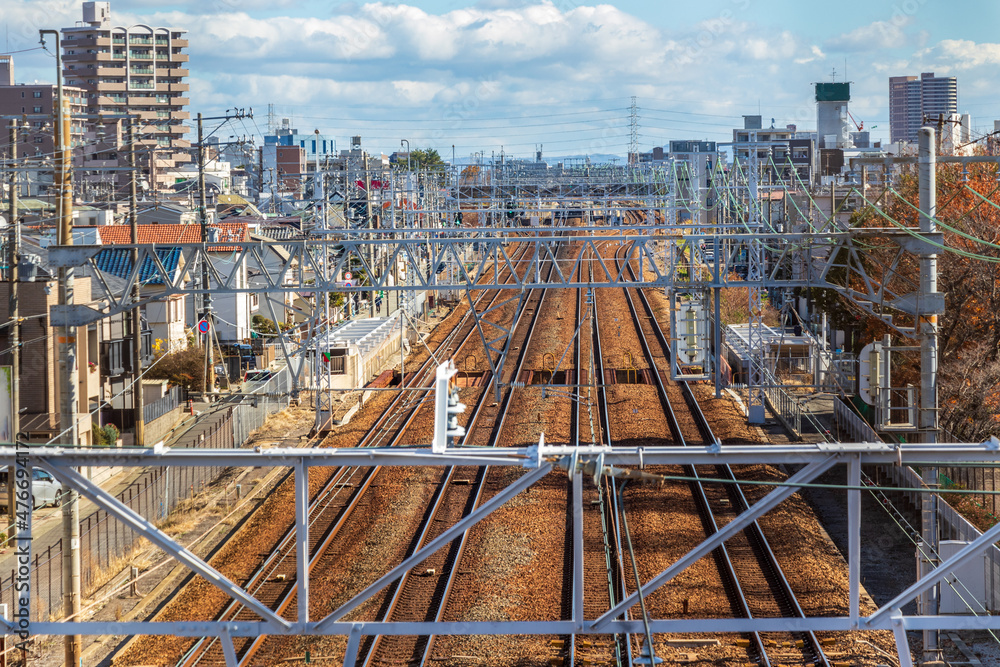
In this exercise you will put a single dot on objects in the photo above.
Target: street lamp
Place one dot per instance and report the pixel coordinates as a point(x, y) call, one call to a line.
point(407, 142)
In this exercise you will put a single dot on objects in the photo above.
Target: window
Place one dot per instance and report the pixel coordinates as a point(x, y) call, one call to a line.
point(39, 140)
point(36, 109)
point(37, 93)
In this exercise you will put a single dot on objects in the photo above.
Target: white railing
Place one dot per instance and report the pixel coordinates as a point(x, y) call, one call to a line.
point(953, 525)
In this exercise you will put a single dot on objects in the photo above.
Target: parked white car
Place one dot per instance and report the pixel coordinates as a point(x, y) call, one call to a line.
point(45, 489)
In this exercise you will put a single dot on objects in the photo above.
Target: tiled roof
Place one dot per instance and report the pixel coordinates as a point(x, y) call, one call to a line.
point(170, 234)
point(118, 262)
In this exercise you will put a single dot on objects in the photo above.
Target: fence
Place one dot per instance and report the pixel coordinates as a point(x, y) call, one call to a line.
point(162, 406)
point(104, 541)
point(954, 526)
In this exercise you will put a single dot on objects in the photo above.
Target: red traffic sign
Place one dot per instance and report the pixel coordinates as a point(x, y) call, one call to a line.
point(348, 276)
point(204, 326)
point(346, 284)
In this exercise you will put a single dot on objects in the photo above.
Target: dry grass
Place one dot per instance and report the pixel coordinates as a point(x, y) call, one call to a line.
point(138, 555)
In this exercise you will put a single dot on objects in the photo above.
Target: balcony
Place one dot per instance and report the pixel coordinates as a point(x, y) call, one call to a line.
point(113, 87)
point(83, 42)
point(179, 57)
point(179, 43)
point(111, 99)
point(163, 71)
point(172, 87)
point(132, 39)
point(136, 85)
point(142, 70)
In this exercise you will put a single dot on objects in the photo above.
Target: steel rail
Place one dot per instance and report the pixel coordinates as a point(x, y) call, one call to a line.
point(372, 438)
point(370, 653)
point(754, 532)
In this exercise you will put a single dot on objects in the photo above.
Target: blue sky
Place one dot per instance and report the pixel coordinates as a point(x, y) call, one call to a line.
point(515, 74)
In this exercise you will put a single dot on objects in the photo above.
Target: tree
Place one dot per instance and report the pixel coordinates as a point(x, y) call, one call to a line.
point(184, 367)
point(425, 158)
point(968, 275)
point(263, 325)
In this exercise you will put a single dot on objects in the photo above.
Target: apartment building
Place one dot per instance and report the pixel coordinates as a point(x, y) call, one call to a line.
point(913, 100)
point(137, 70)
point(36, 104)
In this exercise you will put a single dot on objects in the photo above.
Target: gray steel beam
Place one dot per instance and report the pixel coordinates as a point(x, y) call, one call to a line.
point(764, 505)
point(529, 627)
point(137, 523)
point(913, 454)
point(928, 581)
point(302, 540)
point(444, 538)
point(854, 538)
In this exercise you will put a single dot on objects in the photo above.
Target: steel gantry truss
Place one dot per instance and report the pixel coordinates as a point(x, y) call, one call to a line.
point(579, 462)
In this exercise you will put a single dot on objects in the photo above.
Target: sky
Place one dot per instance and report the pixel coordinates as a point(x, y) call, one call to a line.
point(511, 75)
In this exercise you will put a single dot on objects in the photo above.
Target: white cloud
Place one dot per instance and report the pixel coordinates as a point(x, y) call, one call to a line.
point(963, 54)
point(815, 54)
point(872, 37)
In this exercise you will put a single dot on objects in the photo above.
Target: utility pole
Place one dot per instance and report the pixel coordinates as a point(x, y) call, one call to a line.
point(13, 257)
point(927, 419)
point(69, 373)
point(140, 424)
point(371, 226)
point(208, 383)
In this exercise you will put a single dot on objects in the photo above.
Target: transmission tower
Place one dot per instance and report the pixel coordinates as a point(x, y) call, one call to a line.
point(633, 143)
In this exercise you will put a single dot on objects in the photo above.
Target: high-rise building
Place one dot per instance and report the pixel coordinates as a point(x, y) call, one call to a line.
point(136, 70)
point(914, 101)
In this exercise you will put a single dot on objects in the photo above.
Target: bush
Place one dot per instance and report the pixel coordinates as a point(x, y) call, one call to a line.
point(105, 436)
point(263, 325)
point(184, 367)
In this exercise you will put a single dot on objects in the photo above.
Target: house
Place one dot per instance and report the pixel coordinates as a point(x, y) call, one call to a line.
point(233, 311)
point(39, 361)
point(165, 318)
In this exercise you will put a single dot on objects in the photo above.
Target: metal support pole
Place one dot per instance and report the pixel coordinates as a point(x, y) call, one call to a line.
point(302, 539)
point(927, 414)
point(69, 374)
point(717, 340)
point(371, 226)
point(13, 257)
point(208, 384)
point(854, 538)
point(140, 423)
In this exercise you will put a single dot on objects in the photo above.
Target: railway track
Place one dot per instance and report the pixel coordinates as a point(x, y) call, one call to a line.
point(756, 584)
point(422, 595)
point(275, 580)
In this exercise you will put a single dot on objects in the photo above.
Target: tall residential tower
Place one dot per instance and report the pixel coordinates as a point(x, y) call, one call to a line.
point(137, 70)
point(913, 101)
